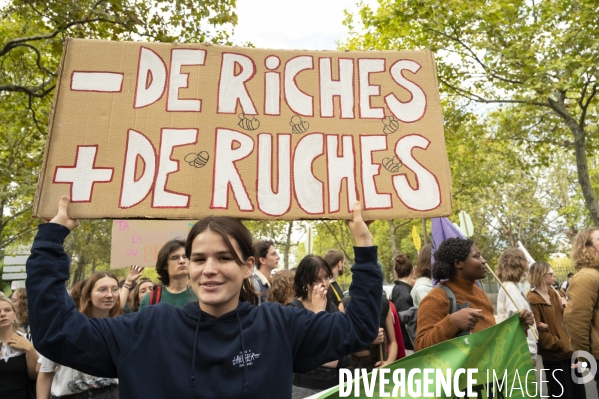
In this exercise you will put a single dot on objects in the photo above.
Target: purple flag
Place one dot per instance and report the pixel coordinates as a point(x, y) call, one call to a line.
point(442, 229)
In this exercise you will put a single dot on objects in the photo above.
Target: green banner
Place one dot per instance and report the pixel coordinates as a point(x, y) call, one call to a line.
point(493, 363)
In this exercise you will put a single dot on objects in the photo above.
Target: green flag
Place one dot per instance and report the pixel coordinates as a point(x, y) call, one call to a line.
point(499, 354)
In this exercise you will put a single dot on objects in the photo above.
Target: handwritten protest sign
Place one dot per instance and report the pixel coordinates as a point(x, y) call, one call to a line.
point(137, 242)
point(181, 131)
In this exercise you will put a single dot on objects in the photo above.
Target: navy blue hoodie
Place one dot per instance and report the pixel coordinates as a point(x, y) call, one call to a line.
point(168, 352)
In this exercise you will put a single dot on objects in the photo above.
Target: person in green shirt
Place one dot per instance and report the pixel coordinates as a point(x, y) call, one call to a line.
point(172, 267)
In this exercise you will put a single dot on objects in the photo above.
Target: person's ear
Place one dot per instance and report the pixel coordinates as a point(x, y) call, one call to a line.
point(458, 264)
point(249, 264)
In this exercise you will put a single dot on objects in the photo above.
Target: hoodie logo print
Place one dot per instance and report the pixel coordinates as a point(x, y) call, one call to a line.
point(247, 358)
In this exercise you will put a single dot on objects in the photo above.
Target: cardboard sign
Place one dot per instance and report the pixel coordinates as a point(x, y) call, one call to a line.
point(137, 242)
point(181, 131)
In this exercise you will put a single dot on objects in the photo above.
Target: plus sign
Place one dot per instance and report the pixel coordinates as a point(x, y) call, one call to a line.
point(83, 175)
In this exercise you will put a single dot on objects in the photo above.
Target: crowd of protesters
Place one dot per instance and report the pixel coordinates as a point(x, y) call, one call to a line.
point(226, 322)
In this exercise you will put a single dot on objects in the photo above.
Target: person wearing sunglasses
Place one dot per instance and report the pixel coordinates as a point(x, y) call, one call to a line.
point(172, 267)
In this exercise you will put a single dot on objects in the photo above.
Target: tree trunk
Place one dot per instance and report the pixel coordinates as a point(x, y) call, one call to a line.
point(580, 149)
point(392, 238)
point(93, 269)
point(584, 179)
point(79, 273)
point(287, 245)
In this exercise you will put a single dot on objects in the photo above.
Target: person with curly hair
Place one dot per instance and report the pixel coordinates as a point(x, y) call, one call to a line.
point(19, 299)
point(423, 284)
point(581, 316)
point(512, 268)
point(281, 289)
point(459, 262)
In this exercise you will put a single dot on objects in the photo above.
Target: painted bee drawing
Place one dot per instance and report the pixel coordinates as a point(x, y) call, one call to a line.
point(198, 160)
point(248, 122)
point(297, 125)
point(392, 164)
point(391, 125)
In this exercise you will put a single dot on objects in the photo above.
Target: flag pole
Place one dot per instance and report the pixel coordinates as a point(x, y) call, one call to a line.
point(532, 330)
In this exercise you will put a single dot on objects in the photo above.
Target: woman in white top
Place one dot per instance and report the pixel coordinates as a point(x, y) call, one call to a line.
point(99, 297)
point(512, 268)
point(18, 358)
point(423, 283)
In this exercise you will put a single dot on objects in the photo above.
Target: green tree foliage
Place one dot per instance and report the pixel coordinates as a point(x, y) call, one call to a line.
point(279, 232)
point(509, 195)
point(31, 42)
point(537, 59)
point(335, 234)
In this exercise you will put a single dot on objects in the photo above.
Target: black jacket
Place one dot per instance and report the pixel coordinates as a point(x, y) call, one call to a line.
point(400, 296)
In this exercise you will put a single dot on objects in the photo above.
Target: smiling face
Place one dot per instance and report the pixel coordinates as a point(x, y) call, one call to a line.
point(474, 267)
point(105, 293)
point(178, 264)
point(144, 288)
point(7, 315)
point(216, 278)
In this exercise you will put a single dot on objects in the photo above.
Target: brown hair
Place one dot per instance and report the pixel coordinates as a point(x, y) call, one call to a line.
point(423, 264)
point(15, 323)
point(75, 292)
point(583, 254)
point(536, 274)
point(261, 248)
point(403, 265)
point(281, 287)
point(229, 228)
point(333, 257)
point(162, 259)
point(134, 295)
point(23, 312)
point(85, 302)
point(512, 265)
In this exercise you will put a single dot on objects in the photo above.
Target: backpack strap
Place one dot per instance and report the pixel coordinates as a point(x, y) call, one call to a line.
point(155, 295)
point(453, 304)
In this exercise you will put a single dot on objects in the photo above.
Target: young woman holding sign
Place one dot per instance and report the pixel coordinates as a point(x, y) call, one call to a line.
point(223, 348)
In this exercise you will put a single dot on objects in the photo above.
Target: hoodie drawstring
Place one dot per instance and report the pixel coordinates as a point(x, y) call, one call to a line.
point(247, 384)
point(193, 356)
